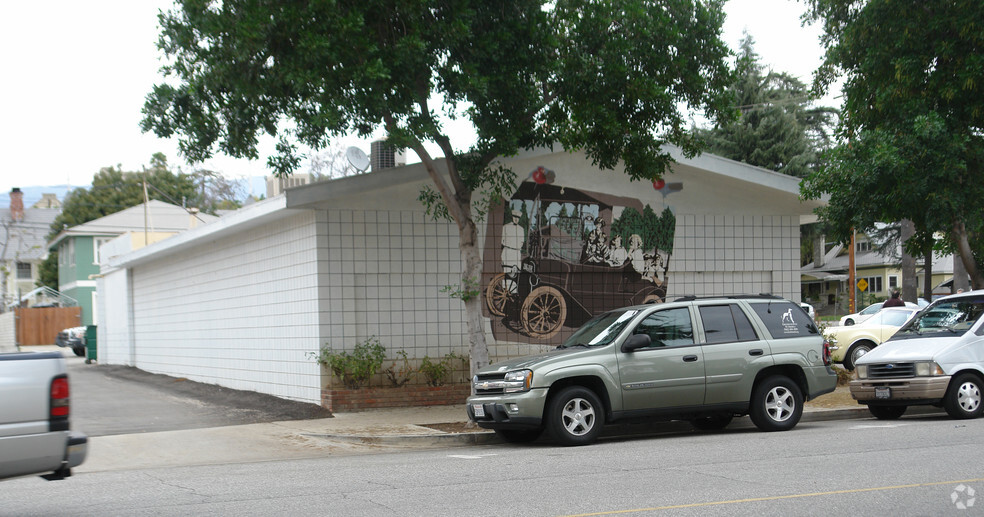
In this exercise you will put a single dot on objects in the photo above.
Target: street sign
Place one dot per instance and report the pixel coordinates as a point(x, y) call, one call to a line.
point(862, 284)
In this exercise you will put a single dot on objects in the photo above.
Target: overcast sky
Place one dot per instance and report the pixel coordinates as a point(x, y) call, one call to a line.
point(76, 74)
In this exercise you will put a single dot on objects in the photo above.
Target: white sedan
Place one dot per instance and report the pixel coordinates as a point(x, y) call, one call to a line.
point(866, 313)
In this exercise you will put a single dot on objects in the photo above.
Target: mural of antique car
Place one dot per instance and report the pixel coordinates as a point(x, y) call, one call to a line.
point(570, 267)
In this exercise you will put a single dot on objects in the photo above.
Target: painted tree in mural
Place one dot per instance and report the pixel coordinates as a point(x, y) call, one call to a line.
point(911, 129)
point(607, 78)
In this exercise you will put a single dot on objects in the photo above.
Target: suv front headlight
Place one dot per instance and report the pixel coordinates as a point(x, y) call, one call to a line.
point(517, 381)
point(928, 369)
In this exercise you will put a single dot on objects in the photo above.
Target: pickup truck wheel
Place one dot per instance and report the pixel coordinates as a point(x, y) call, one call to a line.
point(79, 351)
point(963, 398)
point(711, 423)
point(518, 436)
point(575, 416)
point(886, 412)
point(777, 404)
point(856, 352)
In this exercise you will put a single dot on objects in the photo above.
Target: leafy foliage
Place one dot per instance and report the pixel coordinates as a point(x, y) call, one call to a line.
point(114, 190)
point(912, 145)
point(356, 369)
point(616, 79)
point(437, 373)
point(777, 129)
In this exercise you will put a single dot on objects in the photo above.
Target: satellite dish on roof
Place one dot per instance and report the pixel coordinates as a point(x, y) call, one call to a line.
point(357, 158)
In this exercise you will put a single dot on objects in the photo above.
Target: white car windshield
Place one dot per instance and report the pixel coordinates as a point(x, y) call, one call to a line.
point(947, 317)
point(893, 318)
point(601, 329)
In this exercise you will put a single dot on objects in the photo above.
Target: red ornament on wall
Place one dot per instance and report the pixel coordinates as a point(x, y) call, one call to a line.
point(659, 184)
point(539, 176)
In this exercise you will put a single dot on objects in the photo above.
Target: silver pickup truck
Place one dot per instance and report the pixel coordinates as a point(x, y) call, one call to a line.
point(34, 417)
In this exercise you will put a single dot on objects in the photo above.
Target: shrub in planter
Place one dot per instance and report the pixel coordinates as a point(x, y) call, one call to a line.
point(357, 368)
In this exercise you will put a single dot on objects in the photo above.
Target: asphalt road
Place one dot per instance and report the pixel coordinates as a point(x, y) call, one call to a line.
point(924, 465)
point(111, 399)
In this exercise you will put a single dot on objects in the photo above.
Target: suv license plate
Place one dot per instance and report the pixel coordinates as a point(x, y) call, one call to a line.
point(479, 410)
point(883, 393)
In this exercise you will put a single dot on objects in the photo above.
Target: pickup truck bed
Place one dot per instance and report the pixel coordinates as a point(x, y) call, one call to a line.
point(34, 417)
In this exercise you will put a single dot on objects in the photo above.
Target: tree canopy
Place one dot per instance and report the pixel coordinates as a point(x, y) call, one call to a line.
point(912, 143)
point(778, 128)
point(114, 190)
point(615, 79)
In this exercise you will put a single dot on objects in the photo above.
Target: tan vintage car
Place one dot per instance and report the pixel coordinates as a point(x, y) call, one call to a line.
point(848, 344)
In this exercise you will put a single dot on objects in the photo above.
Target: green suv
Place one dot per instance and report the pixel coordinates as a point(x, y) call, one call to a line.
point(705, 360)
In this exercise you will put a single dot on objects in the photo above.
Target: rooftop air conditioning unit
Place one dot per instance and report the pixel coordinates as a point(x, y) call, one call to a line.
point(383, 156)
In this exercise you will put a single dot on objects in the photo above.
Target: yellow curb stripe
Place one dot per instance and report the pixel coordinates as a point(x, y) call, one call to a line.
point(778, 497)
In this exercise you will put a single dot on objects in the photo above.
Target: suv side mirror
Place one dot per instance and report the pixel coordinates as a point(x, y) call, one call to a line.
point(635, 342)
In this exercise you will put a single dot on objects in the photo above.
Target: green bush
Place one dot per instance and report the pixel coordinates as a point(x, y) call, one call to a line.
point(437, 373)
point(355, 369)
point(400, 372)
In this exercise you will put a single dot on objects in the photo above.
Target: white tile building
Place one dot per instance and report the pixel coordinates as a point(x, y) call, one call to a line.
point(243, 302)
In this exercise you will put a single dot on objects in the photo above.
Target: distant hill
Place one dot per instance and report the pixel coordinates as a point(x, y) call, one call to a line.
point(255, 185)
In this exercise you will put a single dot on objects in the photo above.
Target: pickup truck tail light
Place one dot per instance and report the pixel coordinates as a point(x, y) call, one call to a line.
point(59, 403)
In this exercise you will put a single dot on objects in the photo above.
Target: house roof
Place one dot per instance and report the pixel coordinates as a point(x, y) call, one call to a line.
point(746, 187)
point(837, 260)
point(26, 238)
point(159, 217)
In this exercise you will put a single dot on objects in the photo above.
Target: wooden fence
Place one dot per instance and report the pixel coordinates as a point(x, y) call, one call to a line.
point(40, 326)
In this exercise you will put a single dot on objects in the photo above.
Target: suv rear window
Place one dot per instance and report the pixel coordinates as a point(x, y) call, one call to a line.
point(725, 323)
point(784, 319)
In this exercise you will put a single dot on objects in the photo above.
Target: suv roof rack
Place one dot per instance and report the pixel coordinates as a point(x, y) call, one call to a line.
point(762, 296)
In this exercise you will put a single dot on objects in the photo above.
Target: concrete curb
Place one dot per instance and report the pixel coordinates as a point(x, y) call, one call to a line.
point(435, 439)
point(441, 439)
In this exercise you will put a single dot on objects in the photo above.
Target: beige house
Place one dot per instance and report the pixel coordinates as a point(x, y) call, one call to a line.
point(825, 280)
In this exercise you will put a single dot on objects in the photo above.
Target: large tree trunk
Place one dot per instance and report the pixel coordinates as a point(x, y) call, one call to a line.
point(960, 238)
point(457, 199)
point(908, 264)
point(471, 278)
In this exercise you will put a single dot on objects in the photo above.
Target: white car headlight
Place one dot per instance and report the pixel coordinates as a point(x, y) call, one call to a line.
point(861, 371)
point(928, 369)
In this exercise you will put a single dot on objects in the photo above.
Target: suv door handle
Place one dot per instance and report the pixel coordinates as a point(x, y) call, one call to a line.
point(755, 351)
point(689, 358)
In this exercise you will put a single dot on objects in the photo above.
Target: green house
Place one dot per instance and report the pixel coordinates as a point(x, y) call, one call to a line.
point(79, 247)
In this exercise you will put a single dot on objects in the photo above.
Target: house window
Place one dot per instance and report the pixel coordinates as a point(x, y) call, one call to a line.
point(893, 281)
point(862, 246)
point(874, 284)
point(24, 271)
point(66, 255)
point(97, 245)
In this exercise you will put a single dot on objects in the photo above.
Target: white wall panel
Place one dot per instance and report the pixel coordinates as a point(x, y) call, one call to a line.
point(240, 311)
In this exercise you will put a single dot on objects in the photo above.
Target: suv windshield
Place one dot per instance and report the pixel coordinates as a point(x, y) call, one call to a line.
point(951, 317)
point(600, 330)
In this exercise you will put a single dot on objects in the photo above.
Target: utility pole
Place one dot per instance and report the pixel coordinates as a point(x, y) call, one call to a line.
point(850, 276)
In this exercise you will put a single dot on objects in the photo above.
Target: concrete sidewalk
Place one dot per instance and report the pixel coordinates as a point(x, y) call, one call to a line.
point(346, 433)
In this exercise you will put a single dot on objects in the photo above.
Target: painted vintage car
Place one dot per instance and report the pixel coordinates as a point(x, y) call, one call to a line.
point(581, 254)
point(848, 344)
